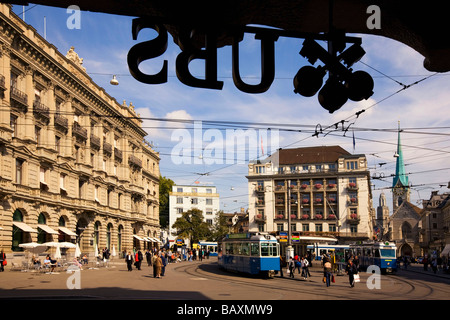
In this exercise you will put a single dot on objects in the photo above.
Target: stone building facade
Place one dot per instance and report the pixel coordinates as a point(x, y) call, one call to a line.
point(74, 165)
point(322, 191)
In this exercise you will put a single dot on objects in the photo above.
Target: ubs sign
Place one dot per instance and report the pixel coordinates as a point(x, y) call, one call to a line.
point(156, 47)
point(341, 85)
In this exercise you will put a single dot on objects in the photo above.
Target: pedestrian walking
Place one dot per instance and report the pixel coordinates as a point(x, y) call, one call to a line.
point(291, 265)
point(163, 264)
point(434, 265)
point(305, 271)
point(154, 260)
point(2, 261)
point(129, 261)
point(282, 265)
point(138, 259)
point(148, 257)
point(327, 271)
point(351, 271)
point(158, 266)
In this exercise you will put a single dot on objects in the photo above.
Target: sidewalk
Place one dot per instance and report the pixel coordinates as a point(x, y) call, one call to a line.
point(418, 268)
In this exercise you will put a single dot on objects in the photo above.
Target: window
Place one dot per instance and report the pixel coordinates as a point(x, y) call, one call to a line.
point(37, 135)
point(13, 125)
point(332, 227)
point(208, 190)
point(42, 178)
point(58, 144)
point(179, 199)
point(305, 227)
point(318, 227)
point(62, 178)
point(352, 165)
point(19, 171)
point(179, 189)
point(209, 202)
point(260, 169)
point(280, 227)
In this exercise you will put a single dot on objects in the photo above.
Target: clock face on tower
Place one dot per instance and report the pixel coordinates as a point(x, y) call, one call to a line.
point(398, 191)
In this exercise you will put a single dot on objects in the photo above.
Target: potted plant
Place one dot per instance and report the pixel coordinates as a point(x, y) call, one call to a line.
point(354, 216)
point(305, 201)
point(293, 216)
point(318, 186)
point(304, 186)
point(332, 216)
point(319, 216)
point(305, 216)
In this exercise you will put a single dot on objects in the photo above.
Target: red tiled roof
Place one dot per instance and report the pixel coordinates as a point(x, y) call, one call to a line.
point(322, 154)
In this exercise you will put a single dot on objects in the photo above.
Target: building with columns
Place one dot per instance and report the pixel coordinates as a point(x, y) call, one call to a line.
point(322, 191)
point(74, 165)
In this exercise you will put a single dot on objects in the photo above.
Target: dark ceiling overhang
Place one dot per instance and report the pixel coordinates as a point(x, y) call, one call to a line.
point(420, 25)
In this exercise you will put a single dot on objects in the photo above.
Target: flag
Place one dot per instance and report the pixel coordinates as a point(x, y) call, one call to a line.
point(262, 147)
point(354, 141)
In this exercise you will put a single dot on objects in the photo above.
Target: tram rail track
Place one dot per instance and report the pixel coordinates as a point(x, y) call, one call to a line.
point(393, 286)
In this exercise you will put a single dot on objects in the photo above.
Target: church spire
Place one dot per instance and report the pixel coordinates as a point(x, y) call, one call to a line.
point(400, 174)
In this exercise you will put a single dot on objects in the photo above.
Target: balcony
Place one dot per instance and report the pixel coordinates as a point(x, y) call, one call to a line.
point(260, 218)
point(95, 142)
point(61, 123)
point(20, 98)
point(259, 203)
point(40, 111)
point(2, 85)
point(118, 154)
point(353, 218)
point(79, 132)
point(107, 148)
point(352, 186)
point(352, 202)
point(135, 161)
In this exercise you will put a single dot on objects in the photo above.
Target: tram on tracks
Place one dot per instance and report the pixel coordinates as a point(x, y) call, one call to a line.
point(209, 246)
point(255, 254)
point(320, 249)
point(381, 254)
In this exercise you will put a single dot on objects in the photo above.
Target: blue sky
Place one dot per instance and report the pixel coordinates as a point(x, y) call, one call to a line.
point(104, 41)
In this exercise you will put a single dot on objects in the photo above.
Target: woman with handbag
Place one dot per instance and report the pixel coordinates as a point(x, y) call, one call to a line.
point(327, 271)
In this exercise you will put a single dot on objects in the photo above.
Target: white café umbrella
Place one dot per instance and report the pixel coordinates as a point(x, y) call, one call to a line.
point(67, 245)
point(58, 253)
point(51, 244)
point(77, 251)
point(33, 247)
point(114, 251)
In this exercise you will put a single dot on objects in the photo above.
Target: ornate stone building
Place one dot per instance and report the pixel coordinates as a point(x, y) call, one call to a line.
point(74, 165)
point(321, 191)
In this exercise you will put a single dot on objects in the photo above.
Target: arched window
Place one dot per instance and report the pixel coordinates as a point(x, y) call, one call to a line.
point(42, 235)
point(119, 238)
point(96, 236)
point(18, 234)
point(406, 231)
point(108, 235)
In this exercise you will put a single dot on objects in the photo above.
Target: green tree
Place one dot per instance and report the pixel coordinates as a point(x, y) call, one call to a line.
point(220, 228)
point(165, 187)
point(191, 225)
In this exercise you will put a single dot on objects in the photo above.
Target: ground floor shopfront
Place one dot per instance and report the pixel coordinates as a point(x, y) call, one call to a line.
point(93, 230)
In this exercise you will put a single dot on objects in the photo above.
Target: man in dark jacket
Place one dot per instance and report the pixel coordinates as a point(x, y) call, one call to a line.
point(351, 270)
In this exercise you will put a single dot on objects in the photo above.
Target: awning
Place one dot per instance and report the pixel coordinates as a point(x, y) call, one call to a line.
point(67, 231)
point(24, 227)
point(156, 240)
point(47, 229)
point(312, 238)
point(137, 237)
point(446, 250)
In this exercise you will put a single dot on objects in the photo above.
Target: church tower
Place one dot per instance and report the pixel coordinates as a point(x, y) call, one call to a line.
point(382, 217)
point(400, 184)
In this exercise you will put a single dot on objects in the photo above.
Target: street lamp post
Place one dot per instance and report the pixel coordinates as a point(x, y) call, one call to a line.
point(289, 249)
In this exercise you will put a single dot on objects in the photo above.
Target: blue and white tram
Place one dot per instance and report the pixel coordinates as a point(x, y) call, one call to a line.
point(250, 253)
point(381, 254)
point(320, 249)
point(209, 246)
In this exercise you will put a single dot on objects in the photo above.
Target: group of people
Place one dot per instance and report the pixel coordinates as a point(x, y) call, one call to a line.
point(301, 263)
point(351, 268)
point(157, 259)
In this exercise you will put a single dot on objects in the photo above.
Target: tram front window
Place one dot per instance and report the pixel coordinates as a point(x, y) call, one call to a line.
point(269, 249)
point(388, 253)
